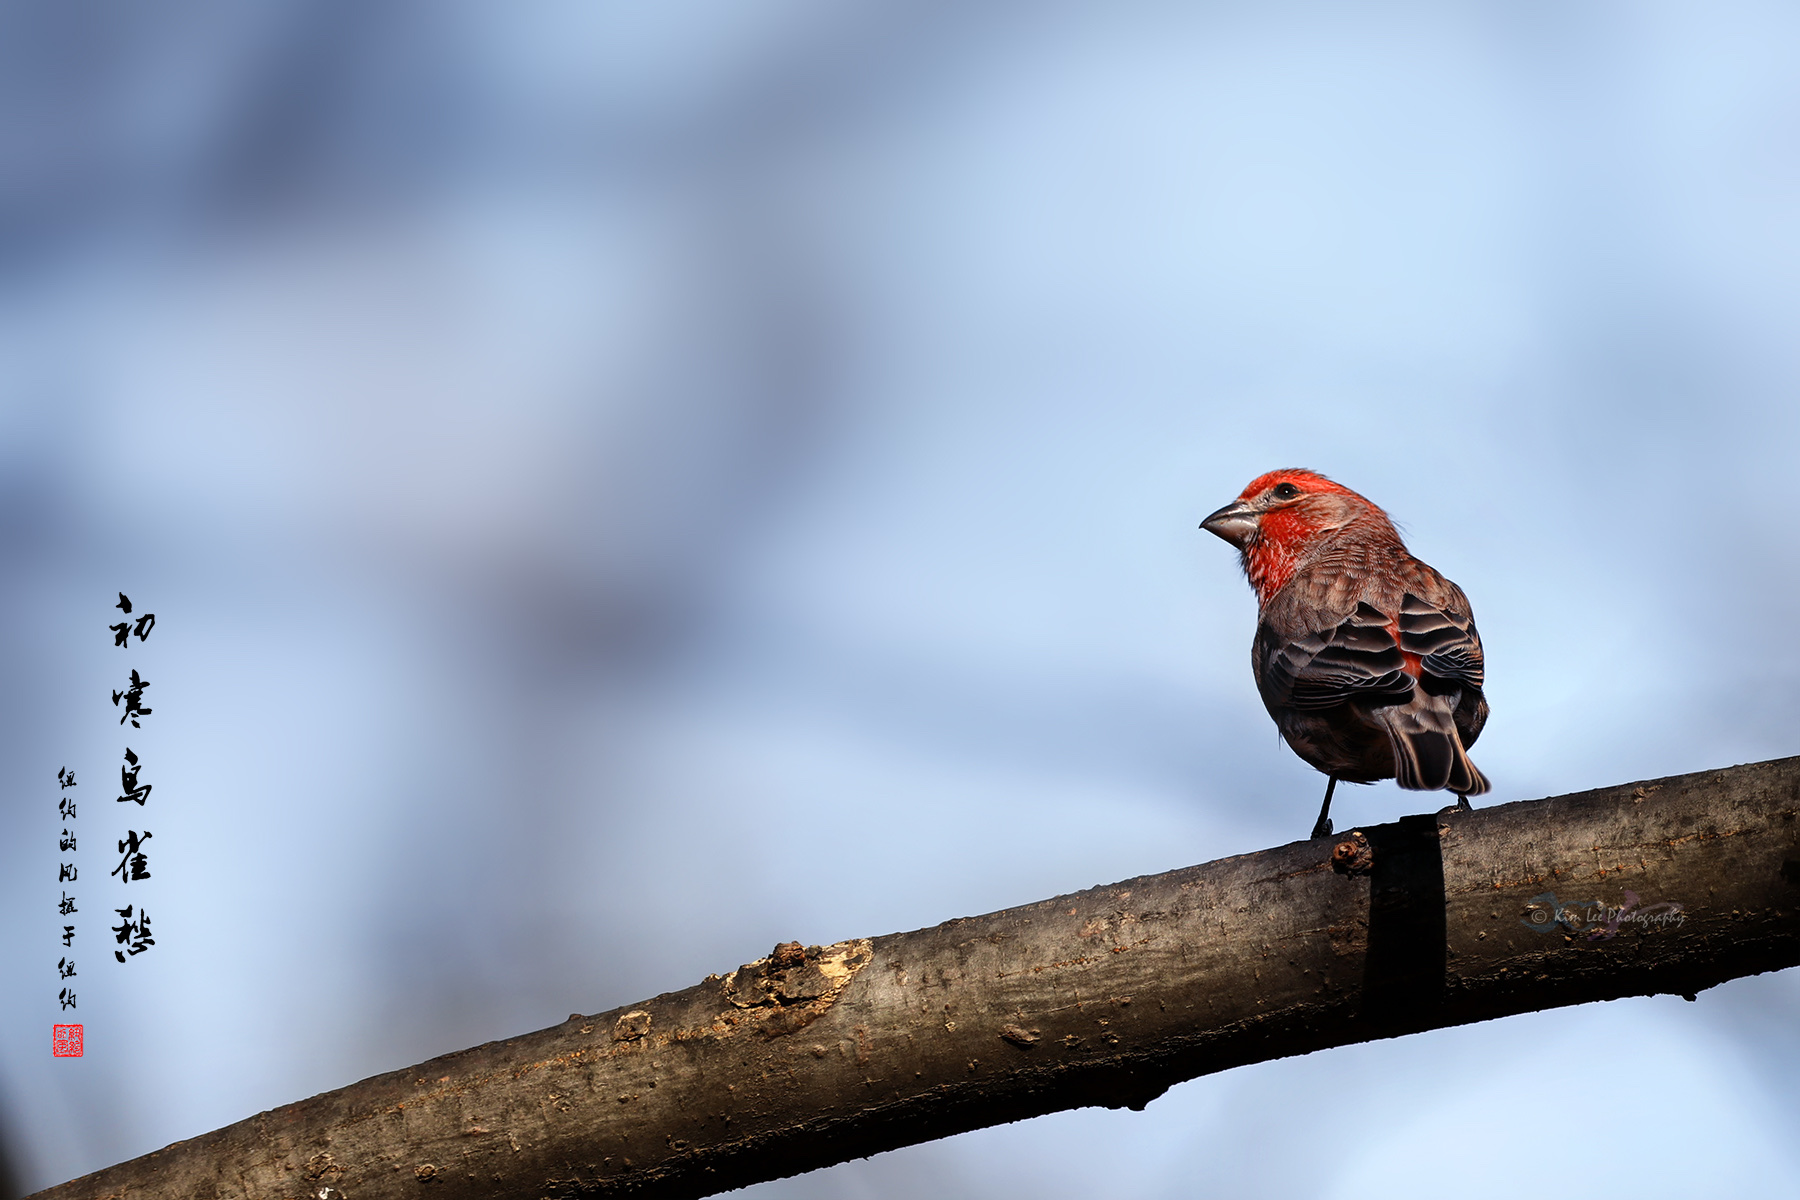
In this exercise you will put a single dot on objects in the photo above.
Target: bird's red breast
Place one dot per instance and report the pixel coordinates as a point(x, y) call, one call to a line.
point(1285, 534)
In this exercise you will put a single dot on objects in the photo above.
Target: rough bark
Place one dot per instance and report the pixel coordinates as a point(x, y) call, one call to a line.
point(816, 1055)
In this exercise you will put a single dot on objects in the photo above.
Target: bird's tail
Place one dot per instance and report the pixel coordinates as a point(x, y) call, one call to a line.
point(1428, 752)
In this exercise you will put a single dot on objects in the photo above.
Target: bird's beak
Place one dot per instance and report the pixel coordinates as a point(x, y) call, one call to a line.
point(1235, 523)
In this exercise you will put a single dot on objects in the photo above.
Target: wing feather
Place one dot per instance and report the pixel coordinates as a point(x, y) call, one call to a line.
point(1444, 640)
point(1357, 660)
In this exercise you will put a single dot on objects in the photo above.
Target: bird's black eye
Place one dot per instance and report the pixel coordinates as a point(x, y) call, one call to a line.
point(1284, 491)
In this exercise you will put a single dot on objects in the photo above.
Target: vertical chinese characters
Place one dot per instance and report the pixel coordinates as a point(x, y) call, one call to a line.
point(66, 873)
point(133, 931)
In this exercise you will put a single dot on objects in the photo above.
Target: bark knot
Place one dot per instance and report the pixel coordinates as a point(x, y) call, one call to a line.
point(1024, 1039)
point(1353, 855)
point(795, 985)
point(633, 1025)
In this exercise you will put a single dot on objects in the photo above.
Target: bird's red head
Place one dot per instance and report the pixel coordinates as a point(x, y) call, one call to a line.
point(1277, 518)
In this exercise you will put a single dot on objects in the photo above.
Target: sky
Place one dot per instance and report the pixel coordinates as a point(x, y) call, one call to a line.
point(588, 460)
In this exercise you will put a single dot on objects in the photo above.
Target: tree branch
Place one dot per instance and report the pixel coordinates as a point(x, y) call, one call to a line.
point(820, 1054)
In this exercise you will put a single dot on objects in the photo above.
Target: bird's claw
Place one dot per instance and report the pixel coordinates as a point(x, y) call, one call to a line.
point(1323, 828)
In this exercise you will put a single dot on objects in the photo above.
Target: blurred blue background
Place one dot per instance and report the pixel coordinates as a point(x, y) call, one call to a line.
point(624, 485)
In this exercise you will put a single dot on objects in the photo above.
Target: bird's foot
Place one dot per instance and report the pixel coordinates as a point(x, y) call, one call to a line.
point(1462, 805)
point(1323, 828)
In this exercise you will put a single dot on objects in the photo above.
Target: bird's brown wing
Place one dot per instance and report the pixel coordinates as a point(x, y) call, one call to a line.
point(1355, 660)
point(1444, 639)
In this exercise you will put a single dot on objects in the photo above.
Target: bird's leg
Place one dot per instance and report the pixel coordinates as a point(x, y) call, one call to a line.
point(1323, 827)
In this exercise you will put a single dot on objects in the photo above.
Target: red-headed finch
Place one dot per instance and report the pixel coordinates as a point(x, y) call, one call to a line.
point(1367, 658)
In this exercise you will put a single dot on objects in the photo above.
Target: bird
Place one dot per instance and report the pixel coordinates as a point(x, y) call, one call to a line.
point(1367, 658)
